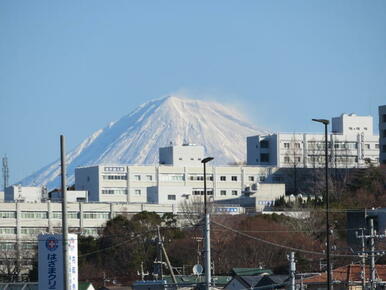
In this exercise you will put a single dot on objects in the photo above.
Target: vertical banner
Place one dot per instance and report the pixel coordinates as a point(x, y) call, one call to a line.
point(50, 252)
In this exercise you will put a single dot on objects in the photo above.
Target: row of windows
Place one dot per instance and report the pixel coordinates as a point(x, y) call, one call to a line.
point(33, 231)
point(114, 191)
point(8, 214)
point(266, 202)
point(147, 177)
point(116, 169)
point(58, 215)
point(312, 145)
point(201, 192)
point(224, 192)
point(7, 231)
point(115, 177)
point(312, 159)
point(180, 158)
point(96, 215)
point(34, 214)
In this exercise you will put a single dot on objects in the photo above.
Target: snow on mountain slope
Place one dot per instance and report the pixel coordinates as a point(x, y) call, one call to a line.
point(135, 138)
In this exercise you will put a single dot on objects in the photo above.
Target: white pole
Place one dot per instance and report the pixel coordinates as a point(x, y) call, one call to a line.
point(66, 266)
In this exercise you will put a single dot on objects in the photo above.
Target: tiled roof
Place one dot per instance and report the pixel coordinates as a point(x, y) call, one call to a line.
point(348, 273)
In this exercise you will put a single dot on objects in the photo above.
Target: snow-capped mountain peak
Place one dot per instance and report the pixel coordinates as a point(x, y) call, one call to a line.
point(136, 137)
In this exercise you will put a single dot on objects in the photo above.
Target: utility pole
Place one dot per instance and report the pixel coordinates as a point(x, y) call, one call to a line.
point(5, 172)
point(208, 274)
point(167, 257)
point(363, 256)
point(292, 270)
point(66, 266)
point(372, 255)
point(371, 237)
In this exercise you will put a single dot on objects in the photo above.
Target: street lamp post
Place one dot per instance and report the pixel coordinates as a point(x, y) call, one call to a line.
point(207, 231)
point(329, 277)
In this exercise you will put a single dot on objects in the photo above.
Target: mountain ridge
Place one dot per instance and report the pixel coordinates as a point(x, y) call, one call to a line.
point(136, 137)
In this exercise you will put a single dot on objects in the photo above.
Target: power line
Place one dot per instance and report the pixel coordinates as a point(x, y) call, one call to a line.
point(278, 245)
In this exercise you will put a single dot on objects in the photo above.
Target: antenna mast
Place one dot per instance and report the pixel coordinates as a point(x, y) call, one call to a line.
point(5, 172)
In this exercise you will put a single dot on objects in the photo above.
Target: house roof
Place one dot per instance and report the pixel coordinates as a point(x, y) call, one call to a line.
point(348, 273)
point(250, 271)
point(84, 286)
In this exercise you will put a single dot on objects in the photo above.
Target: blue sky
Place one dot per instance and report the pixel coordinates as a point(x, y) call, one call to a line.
point(71, 67)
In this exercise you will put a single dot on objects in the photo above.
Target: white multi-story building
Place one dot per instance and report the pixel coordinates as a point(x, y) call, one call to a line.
point(382, 134)
point(23, 221)
point(351, 144)
point(25, 193)
point(175, 184)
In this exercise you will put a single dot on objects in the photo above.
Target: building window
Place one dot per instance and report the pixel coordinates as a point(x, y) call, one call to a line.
point(251, 178)
point(286, 159)
point(367, 146)
point(377, 146)
point(171, 197)
point(115, 169)
point(191, 158)
point(264, 144)
point(262, 178)
point(96, 215)
point(149, 177)
point(234, 192)
point(298, 159)
point(223, 178)
point(365, 128)
point(384, 133)
point(70, 215)
point(7, 231)
point(223, 192)
point(297, 145)
point(264, 157)
point(286, 145)
point(114, 191)
point(137, 177)
point(234, 178)
point(384, 148)
point(137, 192)
point(7, 214)
point(384, 118)
point(180, 158)
point(34, 214)
point(115, 177)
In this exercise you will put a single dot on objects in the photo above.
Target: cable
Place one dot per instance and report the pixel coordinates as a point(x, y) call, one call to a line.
point(276, 244)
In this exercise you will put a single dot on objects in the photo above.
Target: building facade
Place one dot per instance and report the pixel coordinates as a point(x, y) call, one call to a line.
point(351, 144)
point(382, 134)
point(184, 155)
point(174, 184)
point(23, 221)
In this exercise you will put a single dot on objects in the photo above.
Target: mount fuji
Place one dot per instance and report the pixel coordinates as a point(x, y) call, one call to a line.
point(136, 137)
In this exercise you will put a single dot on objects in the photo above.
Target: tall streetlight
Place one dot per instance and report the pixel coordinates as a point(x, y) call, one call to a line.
point(207, 231)
point(329, 278)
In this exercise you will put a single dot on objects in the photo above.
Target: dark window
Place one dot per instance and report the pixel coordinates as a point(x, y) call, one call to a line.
point(383, 148)
point(234, 178)
point(384, 118)
point(264, 144)
point(264, 157)
point(223, 178)
point(384, 133)
point(171, 197)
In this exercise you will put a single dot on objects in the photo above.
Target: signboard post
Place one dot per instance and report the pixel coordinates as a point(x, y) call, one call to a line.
point(50, 251)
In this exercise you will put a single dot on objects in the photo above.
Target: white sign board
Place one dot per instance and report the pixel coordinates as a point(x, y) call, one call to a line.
point(50, 250)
